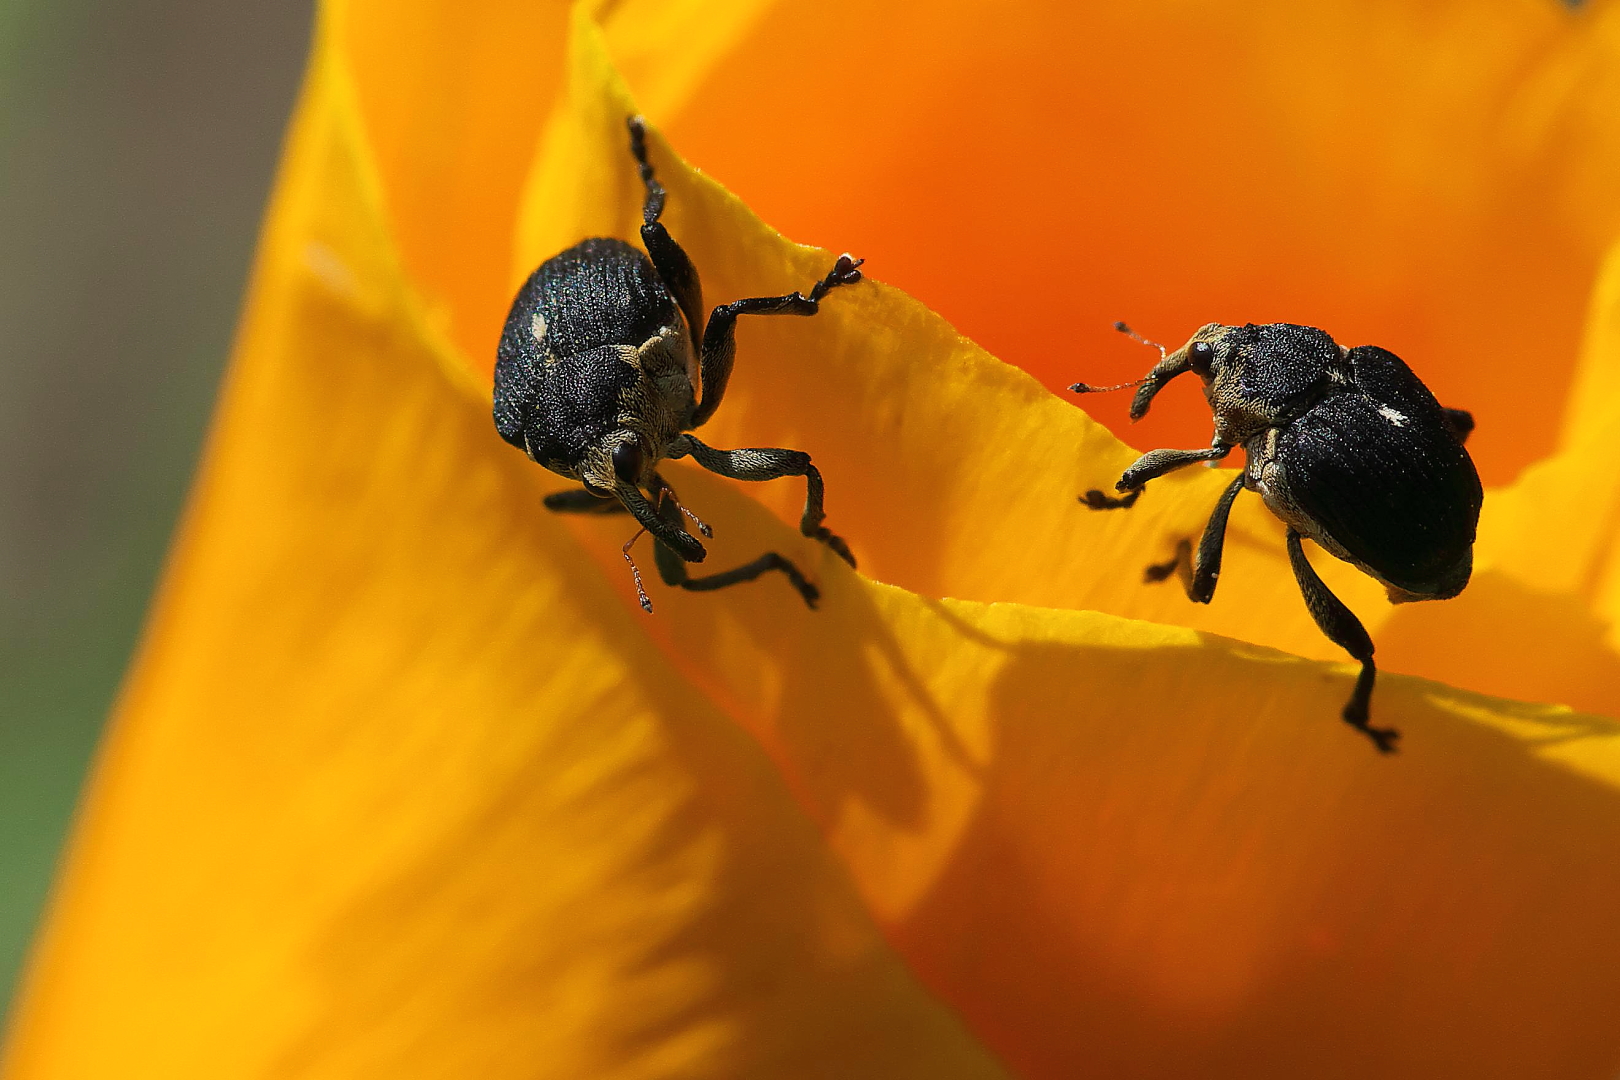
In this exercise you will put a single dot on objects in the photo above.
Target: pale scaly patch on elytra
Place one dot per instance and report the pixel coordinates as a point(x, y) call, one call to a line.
point(1394, 416)
point(537, 327)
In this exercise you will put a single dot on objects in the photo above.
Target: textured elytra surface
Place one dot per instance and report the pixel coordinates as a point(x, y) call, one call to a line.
point(1377, 469)
point(560, 370)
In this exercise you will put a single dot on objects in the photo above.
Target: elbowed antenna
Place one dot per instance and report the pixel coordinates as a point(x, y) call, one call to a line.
point(1160, 374)
point(1087, 388)
point(1169, 366)
point(1139, 339)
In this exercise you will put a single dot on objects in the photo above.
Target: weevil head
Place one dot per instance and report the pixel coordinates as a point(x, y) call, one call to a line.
point(1199, 356)
point(1255, 376)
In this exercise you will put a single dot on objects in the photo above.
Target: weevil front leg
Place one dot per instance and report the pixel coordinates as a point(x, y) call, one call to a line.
point(1150, 466)
point(1198, 576)
point(1155, 463)
point(1342, 627)
point(672, 568)
point(720, 335)
point(770, 463)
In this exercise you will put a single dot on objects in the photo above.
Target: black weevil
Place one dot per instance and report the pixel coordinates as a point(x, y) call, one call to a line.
point(596, 379)
point(1347, 447)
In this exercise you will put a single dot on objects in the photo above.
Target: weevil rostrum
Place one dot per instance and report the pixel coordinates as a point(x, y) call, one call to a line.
point(597, 378)
point(1347, 447)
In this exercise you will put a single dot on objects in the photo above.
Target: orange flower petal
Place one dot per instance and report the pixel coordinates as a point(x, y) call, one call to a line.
point(1437, 180)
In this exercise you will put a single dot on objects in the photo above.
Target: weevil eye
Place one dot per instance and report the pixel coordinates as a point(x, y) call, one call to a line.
point(627, 461)
point(1200, 354)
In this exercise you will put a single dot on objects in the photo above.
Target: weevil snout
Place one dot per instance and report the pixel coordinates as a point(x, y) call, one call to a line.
point(620, 457)
point(1200, 356)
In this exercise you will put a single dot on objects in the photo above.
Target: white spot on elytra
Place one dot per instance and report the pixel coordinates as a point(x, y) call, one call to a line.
point(537, 326)
point(1392, 415)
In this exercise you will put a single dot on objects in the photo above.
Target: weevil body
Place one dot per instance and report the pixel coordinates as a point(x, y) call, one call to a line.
point(1348, 448)
point(599, 376)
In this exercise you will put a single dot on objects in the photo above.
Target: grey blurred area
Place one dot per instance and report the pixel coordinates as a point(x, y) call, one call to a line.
point(138, 140)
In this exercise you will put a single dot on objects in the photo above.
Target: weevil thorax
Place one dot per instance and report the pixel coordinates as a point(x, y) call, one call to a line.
point(1261, 376)
point(596, 370)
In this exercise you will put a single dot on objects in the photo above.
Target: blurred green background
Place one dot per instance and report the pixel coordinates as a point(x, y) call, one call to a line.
point(137, 145)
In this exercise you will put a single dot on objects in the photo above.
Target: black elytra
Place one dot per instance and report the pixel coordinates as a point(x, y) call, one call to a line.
point(1347, 447)
point(597, 378)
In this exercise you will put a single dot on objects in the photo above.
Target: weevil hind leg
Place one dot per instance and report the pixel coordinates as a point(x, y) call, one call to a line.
point(771, 463)
point(720, 335)
point(1342, 628)
point(672, 569)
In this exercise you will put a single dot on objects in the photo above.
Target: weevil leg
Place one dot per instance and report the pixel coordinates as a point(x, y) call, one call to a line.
point(1461, 423)
point(770, 463)
point(1155, 463)
point(1201, 584)
point(1342, 627)
point(668, 258)
point(673, 570)
point(580, 501)
point(720, 335)
point(1198, 576)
